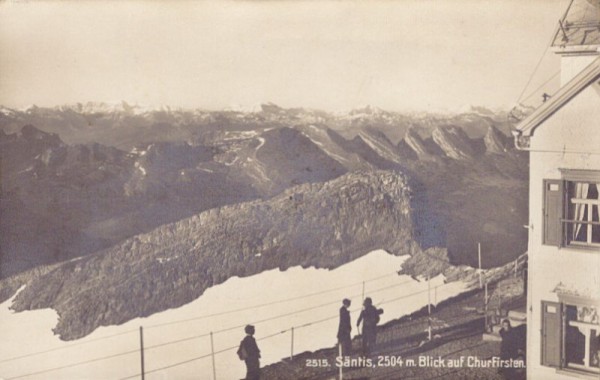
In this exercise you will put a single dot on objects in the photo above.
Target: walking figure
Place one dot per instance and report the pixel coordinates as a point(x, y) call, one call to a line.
point(249, 352)
point(344, 329)
point(370, 318)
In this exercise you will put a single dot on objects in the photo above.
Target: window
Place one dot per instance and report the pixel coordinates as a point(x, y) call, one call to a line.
point(582, 328)
point(571, 336)
point(582, 225)
point(571, 216)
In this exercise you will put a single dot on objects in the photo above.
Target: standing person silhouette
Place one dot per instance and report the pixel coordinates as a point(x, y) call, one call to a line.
point(512, 346)
point(370, 317)
point(344, 329)
point(249, 352)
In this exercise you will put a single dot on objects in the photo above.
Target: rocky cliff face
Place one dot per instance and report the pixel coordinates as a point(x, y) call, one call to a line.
point(290, 158)
point(415, 142)
point(380, 144)
point(454, 142)
point(495, 141)
point(332, 144)
point(434, 261)
point(318, 224)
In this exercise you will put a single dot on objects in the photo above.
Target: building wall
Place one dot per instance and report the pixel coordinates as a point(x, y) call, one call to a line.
point(576, 127)
point(571, 65)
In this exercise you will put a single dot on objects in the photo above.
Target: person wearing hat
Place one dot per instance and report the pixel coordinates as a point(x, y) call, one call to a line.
point(370, 317)
point(249, 352)
point(344, 329)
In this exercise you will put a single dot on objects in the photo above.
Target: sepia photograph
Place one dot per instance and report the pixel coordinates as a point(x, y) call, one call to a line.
point(310, 190)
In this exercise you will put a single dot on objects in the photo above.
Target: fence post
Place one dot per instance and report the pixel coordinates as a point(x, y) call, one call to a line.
point(340, 355)
point(363, 292)
point(486, 306)
point(429, 305)
point(516, 265)
point(142, 351)
point(212, 352)
point(292, 354)
point(479, 259)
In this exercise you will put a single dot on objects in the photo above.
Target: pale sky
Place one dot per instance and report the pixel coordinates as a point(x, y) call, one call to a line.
point(335, 55)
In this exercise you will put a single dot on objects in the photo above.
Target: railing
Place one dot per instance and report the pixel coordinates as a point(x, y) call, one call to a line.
point(519, 263)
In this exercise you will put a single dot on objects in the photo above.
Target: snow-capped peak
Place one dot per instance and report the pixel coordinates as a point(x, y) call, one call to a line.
point(251, 108)
point(113, 107)
point(6, 111)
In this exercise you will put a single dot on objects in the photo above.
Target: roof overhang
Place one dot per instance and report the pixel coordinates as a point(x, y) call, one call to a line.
point(576, 50)
point(567, 92)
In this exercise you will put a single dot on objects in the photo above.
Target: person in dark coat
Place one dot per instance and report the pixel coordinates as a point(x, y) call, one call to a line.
point(249, 352)
point(344, 329)
point(509, 347)
point(370, 317)
point(512, 346)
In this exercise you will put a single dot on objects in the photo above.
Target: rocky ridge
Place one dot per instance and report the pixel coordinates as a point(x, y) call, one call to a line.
point(414, 142)
point(322, 224)
point(454, 142)
point(495, 141)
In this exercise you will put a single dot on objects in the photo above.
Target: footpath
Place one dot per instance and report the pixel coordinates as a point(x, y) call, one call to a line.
point(403, 351)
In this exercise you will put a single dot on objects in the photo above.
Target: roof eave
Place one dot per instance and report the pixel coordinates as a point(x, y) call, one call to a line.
point(562, 97)
point(575, 49)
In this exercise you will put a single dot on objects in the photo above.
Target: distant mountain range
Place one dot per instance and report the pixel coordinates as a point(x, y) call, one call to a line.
point(125, 126)
point(194, 197)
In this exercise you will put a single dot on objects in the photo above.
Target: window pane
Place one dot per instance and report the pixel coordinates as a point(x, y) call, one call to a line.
point(595, 349)
point(574, 339)
point(596, 228)
point(581, 339)
point(582, 208)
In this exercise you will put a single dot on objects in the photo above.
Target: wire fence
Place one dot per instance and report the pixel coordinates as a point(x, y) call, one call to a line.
point(295, 328)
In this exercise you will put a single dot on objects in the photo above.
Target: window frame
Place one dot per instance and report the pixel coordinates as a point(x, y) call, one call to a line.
point(567, 176)
point(565, 300)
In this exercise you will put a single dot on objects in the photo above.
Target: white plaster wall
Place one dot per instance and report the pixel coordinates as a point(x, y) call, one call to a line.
point(576, 127)
point(571, 65)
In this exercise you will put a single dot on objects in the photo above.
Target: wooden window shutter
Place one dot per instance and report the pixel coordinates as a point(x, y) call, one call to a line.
point(551, 334)
point(553, 212)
